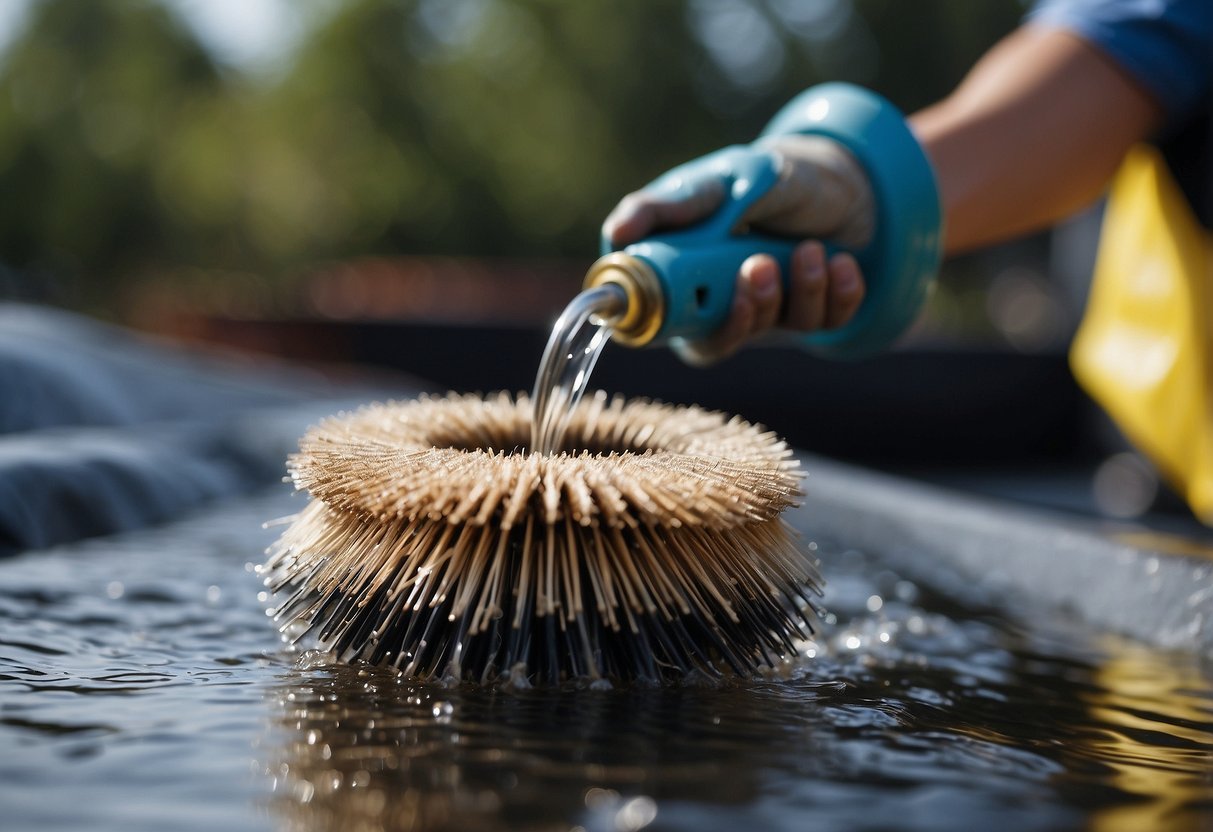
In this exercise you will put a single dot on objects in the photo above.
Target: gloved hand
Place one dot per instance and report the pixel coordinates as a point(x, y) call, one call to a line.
point(821, 192)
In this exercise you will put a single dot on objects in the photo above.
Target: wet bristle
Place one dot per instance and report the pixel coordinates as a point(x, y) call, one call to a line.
point(651, 547)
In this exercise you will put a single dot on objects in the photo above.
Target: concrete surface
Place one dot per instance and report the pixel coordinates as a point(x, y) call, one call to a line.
point(1151, 586)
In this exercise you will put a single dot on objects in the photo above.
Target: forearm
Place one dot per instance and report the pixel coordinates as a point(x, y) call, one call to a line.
point(1031, 135)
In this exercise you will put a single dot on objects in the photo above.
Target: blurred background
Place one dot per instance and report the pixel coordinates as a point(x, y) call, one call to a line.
point(418, 185)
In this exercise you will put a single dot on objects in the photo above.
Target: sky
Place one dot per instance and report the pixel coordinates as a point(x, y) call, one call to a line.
point(252, 35)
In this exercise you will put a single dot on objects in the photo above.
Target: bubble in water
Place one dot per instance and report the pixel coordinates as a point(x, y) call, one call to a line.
point(635, 814)
point(312, 659)
point(115, 589)
point(875, 602)
point(518, 677)
point(304, 791)
point(213, 594)
point(442, 711)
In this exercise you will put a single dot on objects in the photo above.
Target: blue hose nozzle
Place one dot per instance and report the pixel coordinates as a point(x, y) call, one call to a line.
point(681, 283)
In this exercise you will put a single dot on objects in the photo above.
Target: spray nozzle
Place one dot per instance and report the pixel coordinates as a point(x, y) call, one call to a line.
point(643, 300)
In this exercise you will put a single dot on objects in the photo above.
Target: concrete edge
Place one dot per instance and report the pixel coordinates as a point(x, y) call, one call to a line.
point(1152, 587)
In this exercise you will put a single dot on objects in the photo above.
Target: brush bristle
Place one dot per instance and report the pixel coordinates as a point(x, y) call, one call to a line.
point(652, 547)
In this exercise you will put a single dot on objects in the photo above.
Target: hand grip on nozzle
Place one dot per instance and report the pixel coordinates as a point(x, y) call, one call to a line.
point(681, 283)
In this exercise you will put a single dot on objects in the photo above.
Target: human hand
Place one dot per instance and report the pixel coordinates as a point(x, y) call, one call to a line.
point(821, 191)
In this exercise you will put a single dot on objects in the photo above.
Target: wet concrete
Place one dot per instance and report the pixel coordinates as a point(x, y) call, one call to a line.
point(1152, 586)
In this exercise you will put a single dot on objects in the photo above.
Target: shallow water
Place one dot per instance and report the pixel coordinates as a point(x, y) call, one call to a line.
point(142, 687)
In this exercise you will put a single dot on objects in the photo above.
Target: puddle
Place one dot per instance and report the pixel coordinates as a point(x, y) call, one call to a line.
point(142, 687)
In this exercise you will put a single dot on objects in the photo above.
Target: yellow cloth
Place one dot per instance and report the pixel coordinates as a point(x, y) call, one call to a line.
point(1144, 350)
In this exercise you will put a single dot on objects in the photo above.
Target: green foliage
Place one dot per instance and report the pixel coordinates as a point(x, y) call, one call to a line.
point(88, 100)
point(480, 127)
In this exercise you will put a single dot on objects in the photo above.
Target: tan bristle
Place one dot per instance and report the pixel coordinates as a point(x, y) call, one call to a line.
point(653, 546)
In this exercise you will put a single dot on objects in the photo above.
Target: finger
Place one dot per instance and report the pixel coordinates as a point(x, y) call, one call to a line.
point(669, 206)
point(731, 335)
point(846, 290)
point(807, 288)
point(761, 279)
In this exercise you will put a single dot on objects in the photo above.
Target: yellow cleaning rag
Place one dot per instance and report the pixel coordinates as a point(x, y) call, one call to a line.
point(1144, 350)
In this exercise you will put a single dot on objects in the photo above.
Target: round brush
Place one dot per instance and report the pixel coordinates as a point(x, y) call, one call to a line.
point(650, 546)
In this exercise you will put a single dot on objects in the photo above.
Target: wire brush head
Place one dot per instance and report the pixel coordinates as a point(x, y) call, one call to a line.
point(653, 546)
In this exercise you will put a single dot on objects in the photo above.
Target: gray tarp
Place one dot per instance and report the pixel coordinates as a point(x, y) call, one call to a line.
point(102, 430)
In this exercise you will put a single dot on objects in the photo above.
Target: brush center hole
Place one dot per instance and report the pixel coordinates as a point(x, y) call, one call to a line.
point(518, 442)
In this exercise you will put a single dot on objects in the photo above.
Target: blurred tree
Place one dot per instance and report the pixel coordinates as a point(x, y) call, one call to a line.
point(481, 127)
point(485, 126)
point(89, 97)
point(511, 126)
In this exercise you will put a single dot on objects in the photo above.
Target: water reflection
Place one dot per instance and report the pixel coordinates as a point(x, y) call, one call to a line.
point(950, 723)
point(1155, 740)
point(133, 681)
point(367, 750)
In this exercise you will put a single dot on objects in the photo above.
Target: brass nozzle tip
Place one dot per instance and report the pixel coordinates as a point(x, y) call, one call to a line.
point(646, 302)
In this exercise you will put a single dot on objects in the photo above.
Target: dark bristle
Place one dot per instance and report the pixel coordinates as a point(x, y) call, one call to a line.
point(426, 550)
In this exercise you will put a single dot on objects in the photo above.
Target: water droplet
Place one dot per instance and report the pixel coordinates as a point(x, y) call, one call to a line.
point(304, 791)
point(1194, 626)
point(596, 798)
point(442, 711)
point(213, 593)
point(1151, 566)
point(875, 602)
point(115, 589)
point(635, 814)
point(852, 642)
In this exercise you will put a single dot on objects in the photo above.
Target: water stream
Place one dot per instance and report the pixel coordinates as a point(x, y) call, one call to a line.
point(577, 339)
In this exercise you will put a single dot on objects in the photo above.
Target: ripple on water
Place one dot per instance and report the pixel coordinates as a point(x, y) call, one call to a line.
point(140, 676)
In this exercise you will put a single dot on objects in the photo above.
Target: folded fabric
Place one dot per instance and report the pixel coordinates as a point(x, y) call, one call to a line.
point(102, 430)
point(58, 368)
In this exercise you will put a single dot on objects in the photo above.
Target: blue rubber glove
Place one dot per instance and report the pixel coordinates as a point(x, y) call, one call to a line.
point(821, 192)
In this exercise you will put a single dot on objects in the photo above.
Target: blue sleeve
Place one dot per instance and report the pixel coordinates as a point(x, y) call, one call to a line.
point(1166, 45)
